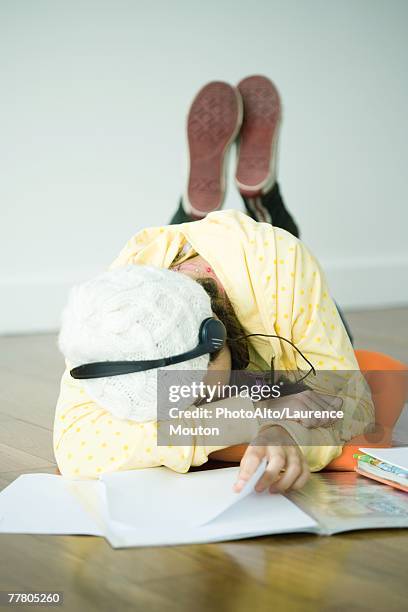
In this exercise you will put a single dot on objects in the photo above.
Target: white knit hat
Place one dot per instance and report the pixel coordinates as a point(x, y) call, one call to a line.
point(132, 313)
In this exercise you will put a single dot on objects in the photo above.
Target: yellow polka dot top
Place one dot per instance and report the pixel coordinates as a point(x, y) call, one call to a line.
point(276, 286)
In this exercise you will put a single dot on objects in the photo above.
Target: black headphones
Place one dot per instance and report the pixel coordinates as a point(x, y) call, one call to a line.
point(211, 338)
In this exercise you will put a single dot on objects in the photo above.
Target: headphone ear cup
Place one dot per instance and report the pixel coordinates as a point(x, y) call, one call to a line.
point(213, 334)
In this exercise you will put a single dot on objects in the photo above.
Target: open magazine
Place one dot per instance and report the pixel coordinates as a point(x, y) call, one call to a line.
point(155, 507)
point(345, 501)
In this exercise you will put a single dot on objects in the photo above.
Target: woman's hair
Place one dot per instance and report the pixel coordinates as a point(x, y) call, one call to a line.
point(222, 307)
point(238, 342)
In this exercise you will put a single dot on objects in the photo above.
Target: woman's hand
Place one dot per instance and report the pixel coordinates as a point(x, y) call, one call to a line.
point(286, 466)
point(310, 401)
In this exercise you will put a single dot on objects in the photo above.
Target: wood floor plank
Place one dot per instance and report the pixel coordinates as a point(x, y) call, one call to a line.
point(390, 323)
point(28, 398)
point(14, 459)
point(30, 352)
point(26, 437)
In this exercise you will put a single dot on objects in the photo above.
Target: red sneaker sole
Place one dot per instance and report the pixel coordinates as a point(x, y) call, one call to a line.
point(213, 123)
point(259, 132)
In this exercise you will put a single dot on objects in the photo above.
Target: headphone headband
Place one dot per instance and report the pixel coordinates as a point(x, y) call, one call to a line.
point(212, 336)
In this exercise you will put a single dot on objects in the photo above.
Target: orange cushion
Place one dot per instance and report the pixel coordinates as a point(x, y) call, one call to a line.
point(388, 381)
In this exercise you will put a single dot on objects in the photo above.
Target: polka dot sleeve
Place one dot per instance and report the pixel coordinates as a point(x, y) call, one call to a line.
point(89, 441)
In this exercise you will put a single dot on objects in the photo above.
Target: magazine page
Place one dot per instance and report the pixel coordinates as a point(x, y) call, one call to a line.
point(345, 501)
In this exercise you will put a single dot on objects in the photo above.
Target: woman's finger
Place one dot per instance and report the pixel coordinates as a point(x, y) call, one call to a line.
point(276, 463)
point(303, 478)
point(292, 472)
point(310, 422)
point(249, 463)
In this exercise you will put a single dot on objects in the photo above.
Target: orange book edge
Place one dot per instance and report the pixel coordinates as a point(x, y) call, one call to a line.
point(396, 485)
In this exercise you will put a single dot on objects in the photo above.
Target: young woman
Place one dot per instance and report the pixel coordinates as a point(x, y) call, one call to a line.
point(261, 279)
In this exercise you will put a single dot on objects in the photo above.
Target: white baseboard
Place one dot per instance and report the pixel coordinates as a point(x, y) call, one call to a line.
point(368, 283)
point(32, 306)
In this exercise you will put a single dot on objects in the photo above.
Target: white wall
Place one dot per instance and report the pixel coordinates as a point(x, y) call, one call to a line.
point(92, 108)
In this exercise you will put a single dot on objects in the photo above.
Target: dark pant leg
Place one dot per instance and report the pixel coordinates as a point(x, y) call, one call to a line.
point(272, 203)
point(346, 325)
point(180, 216)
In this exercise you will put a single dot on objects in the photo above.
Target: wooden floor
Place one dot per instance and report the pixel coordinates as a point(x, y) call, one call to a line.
point(358, 571)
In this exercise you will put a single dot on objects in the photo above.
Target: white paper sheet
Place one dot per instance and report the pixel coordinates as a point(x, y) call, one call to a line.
point(145, 509)
point(150, 507)
point(48, 504)
point(257, 514)
point(140, 498)
point(398, 455)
